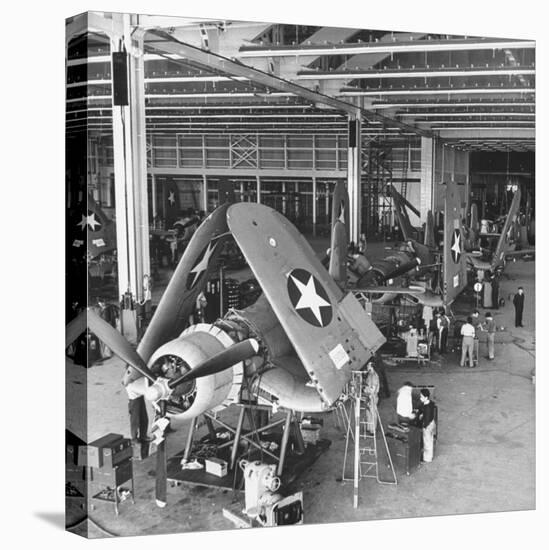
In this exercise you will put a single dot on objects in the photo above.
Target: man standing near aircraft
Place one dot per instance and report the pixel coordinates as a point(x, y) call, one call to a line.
point(468, 342)
point(428, 424)
point(443, 323)
point(490, 328)
point(372, 387)
point(518, 302)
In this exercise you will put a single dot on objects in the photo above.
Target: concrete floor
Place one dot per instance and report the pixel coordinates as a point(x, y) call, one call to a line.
point(484, 462)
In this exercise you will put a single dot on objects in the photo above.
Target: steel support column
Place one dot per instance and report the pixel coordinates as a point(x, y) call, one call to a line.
point(314, 206)
point(353, 178)
point(427, 178)
point(138, 132)
point(205, 193)
point(130, 174)
point(153, 196)
point(123, 163)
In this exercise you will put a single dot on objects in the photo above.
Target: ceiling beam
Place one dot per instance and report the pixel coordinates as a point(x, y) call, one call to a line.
point(383, 47)
point(170, 45)
point(438, 91)
point(420, 115)
point(487, 133)
point(453, 104)
point(413, 73)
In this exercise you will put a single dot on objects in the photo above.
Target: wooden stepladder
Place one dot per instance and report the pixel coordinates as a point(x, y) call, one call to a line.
point(364, 428)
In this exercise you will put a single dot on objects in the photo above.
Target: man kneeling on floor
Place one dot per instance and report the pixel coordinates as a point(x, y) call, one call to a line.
point(428, 424)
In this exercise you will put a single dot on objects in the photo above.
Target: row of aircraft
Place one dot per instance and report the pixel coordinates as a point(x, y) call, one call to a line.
point(436, 275)
point(428, 274)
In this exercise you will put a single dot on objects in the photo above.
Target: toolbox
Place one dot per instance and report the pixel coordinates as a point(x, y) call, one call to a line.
point(405, 449)
point(115, 477)
point(75, 473)
point(107, 451)
point(216, 466)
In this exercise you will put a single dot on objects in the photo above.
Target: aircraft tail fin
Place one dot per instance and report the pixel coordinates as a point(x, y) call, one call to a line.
point(340, 234)
point(429, 238)
point(506, 235)
point(473, 218)
point(399, 204)
point(454, 261)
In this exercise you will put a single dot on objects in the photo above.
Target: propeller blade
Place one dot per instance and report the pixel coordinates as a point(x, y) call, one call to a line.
point(161, 467)
point(219, 362)
point(118, 344)
point(75, 328)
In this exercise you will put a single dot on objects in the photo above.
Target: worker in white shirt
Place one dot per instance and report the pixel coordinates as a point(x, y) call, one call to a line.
point(468, 342)
point(404, 405)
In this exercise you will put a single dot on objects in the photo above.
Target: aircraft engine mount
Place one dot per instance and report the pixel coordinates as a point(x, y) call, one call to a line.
point(209, 393)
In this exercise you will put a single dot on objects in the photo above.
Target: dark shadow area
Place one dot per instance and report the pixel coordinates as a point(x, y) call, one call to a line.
point(57, 519)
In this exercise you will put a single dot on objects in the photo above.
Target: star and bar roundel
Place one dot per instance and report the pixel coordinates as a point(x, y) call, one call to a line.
point(456, 249)
point(200, 266)
point(309, 298)
point(90, 221)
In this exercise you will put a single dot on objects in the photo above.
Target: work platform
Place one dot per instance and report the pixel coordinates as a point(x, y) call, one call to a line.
point(295, 466)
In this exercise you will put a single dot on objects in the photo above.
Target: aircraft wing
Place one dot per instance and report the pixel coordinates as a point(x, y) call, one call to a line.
point(454, 261)
point(506, 233)
point(340, 234)
point(187, 282)
point(93, 229)
point(330, 331)
point(520, 253)
point(413, 291)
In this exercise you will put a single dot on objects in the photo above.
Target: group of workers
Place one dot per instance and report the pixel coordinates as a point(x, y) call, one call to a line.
point(423, 416)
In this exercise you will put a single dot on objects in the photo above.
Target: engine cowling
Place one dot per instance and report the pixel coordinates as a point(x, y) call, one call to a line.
point(208, 393)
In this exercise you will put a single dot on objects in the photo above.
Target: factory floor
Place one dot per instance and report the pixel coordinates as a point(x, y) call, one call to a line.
point(484, 458)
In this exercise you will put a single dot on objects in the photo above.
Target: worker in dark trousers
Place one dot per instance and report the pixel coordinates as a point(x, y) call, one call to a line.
point(139, 419)
point(518, 302)
point(443, 324)
point(428, 424)
point(490, 327)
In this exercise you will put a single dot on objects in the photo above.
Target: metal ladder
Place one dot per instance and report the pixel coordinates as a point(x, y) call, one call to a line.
point(363, 423)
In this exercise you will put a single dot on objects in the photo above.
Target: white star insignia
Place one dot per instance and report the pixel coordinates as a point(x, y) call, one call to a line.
point(89, 220)
point(171, 198)
point(202, 265)
point(309, 298)
point(456, 247)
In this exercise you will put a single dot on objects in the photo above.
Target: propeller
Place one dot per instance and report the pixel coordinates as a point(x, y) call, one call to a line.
point(161, 388)
point(75, 328)
point(118, 344)
point(217, 363)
